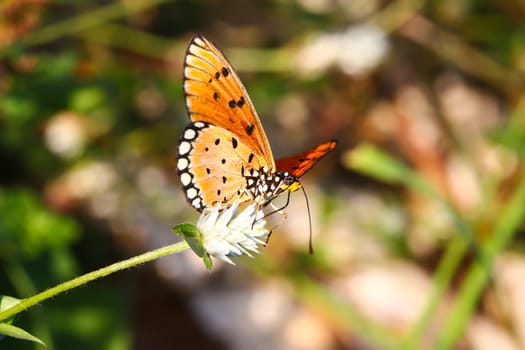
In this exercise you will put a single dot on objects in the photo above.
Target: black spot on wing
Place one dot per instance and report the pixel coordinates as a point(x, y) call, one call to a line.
point(249, 129)
point(241, 102)
point(234, 142)
point(215, 96)
point(225, 71)
point(217, 141)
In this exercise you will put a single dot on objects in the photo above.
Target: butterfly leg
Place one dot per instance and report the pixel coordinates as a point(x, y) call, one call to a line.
point(277, 210)
point(283, 218)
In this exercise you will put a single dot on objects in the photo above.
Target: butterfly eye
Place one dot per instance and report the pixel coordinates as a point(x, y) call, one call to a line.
point(289, 180)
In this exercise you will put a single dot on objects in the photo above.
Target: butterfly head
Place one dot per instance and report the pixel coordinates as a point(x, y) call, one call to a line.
point(289, 182)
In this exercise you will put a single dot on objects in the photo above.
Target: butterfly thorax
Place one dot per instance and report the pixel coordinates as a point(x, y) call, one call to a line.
point(264, 185)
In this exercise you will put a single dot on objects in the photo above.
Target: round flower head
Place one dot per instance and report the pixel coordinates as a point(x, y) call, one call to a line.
point(230, 233)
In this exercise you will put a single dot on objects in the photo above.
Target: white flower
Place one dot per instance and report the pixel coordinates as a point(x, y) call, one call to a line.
point(228, 233)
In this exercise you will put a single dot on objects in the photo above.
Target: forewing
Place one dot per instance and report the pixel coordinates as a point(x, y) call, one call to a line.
point(215, 94)
point(300, 163)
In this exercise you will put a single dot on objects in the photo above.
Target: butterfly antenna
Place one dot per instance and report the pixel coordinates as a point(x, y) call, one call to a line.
point(310, 244)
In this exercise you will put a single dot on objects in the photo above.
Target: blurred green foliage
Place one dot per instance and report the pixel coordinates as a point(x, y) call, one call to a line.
point(28, 229)
point(91, 106)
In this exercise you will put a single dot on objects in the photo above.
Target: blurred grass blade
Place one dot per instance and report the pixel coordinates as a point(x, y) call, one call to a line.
point(372, 161)
point(512, 134)
point(133, 40)
point(477, 277)
point(442, 279)
point(328, 304)
point(15, 332)
point(87, 20)
point(459, 52)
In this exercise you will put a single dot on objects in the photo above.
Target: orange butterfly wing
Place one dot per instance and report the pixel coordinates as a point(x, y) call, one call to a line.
point(211, 165)
point(215, 94)
point(300, 163)
point(225, 145)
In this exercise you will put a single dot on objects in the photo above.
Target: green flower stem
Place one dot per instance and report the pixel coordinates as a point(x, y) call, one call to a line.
point(24, 286)
point(91, 276)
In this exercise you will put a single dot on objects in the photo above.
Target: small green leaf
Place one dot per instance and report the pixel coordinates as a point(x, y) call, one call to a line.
point(207, 261)
point(7, 302)
point(19, 333)
point(193, 236)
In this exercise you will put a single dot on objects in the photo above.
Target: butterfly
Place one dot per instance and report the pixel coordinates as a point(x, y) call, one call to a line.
point(224, 155)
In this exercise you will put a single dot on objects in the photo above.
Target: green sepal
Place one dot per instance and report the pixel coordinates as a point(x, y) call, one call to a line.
point(19, 333)
point(207, 261)
point(193, 237)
